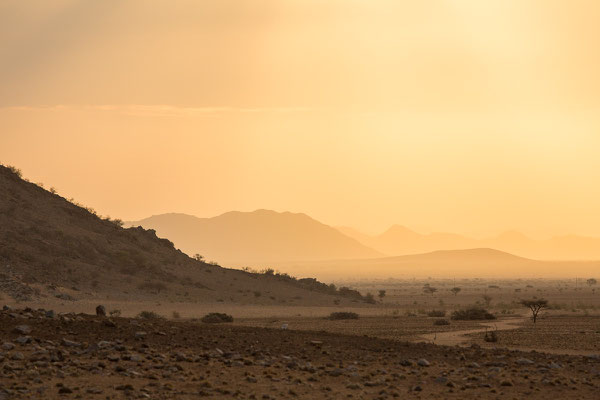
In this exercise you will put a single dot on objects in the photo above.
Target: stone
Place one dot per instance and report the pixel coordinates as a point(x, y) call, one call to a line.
point(101, 311)
point(423, 362)
point(22, 329)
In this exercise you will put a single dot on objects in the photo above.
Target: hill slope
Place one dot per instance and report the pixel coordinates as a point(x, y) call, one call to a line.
point(51, 248)
point(259, 237)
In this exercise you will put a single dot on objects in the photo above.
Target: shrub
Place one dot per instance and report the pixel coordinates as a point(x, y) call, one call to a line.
point(436, 313)
point(257, 293)
point(149, 315)
point(216, 318)
point(176, 315)
point(343, 315)
point(472, 313)
point(490, 337)
point(115, 313)
point(441, 322)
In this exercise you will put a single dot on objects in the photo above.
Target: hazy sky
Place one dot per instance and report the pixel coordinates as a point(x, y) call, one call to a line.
point(448, 115)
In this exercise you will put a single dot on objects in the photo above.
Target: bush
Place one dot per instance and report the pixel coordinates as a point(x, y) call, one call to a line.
point(343, 315)
point(490, 337)
point(472, 313)
point(149, 315)
point(436, 313)
point(176, 315)
point(216, 318)
point(115, 313)
point(441, 322)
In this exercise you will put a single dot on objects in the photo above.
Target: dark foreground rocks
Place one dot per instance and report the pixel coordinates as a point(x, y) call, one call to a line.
point(84, 357)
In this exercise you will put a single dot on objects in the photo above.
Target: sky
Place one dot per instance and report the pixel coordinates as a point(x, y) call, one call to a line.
point(473, 117)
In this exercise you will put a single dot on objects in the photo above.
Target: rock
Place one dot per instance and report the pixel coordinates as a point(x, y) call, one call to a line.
point(417, 388)
point(50, 314)
point(506, 383)
point(22, 329)
point(101, 311)
point(140, 335)
point(70, 343)
point(473, 365)
point(64, 390)
point(7, 346)
point(524, 361)
point(423, 362)
point(110, 323)
point(23, 339)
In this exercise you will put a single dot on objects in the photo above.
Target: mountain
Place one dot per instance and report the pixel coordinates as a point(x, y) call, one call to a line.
point(51, 248)
point(259, 237)
point(476, 263)
point(399, 240)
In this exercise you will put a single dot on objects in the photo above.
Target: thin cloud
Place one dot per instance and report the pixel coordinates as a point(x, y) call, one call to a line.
point(157, 110)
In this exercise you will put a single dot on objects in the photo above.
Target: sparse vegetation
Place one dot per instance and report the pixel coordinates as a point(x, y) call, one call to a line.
point(441, 322)
point(455, 290)
point(152, 286)
point(472, 314)
point(216, 318)
point(342, 315)
point(436, 313)
point(149, 315)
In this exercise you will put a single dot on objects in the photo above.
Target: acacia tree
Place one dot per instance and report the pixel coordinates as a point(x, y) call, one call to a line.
point(429, 289)
point(591, 282)
point(535, 305)
point(455, 290)
point(381, 294)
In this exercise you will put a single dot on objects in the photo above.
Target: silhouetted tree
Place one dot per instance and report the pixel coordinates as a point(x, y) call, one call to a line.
point(381, 294)
point(198, 257)
point(535, 305)
point(455, 290)
point(591, 282)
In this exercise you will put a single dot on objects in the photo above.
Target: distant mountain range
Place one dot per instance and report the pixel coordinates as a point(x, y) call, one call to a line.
point(480, 263)
point(302, 246)
point(259, 237)
point(399, 240)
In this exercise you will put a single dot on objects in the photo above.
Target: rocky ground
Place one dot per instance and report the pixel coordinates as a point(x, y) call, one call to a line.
point(46, 355)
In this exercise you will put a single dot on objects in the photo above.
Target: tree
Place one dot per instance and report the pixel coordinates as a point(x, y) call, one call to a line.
point(198, 257)
point(591, 282)
point(429, 289)
point(455, 290)
point(487, 299)
point(535, 305)
point(381, 294)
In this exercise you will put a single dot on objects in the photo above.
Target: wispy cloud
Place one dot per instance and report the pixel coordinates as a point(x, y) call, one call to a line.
point(157, 110)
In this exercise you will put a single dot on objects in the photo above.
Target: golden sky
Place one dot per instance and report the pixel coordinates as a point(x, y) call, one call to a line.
point(442, 115)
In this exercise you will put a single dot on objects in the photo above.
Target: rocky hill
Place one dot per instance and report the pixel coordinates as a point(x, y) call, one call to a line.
point(52, 248)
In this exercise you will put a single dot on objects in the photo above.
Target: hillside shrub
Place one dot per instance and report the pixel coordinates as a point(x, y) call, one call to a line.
point(342, 315)
point(440, 322)
point(216, 318)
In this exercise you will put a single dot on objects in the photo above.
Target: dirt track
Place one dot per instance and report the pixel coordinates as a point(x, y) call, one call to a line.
point(82, 356)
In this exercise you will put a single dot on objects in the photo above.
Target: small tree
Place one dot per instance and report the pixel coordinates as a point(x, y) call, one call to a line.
point(381, 294)
point(429, 289)
point(198, 257)
point(535, 305)
point(455, 290)
point(591, 282)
